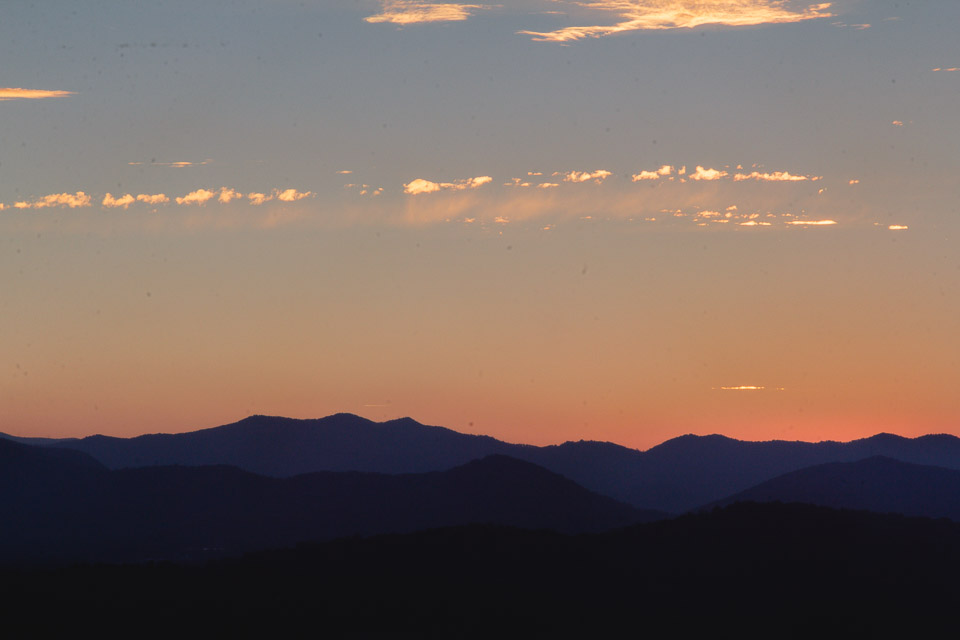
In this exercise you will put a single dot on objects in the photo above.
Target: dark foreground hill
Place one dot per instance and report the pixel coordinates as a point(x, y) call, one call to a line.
point(876, 484)
point(747, 570)
point(74, 509)
point(680, 474)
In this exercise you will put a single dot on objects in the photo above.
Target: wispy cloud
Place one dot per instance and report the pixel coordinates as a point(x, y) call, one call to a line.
point(632, 15)
point(419, 185)
point(812, 223)
point(898, 227)
point(404, 12)
point(72, 200)
point(15, 93)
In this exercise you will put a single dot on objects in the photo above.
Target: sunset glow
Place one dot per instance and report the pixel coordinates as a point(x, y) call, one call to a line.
point(545, 220)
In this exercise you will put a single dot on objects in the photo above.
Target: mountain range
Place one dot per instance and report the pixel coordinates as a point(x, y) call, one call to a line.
point(678, 475)
point(59, 505)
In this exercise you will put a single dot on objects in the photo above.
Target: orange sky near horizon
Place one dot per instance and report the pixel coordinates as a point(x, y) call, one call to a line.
point(543, 221)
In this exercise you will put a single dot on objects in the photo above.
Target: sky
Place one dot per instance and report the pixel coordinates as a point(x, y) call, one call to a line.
point(541, 220)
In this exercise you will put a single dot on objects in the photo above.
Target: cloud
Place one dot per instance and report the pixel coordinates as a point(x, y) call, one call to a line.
point(854, 181)
point(681, 14)
point(707, 174)
point(227, 194)
point(404, 12)
point(665, 170)
point(180, 164)
point(158, 198)
point(814, 223)
point(345, 172)
point(74, 200)
point(13, 93)
point(200, 196)
point(898, 227)
point(946, 69)
point(123, 201)
point(583, 176)
point(292, 195)
point(897, 123)
point(419, 185)
point(776, 176)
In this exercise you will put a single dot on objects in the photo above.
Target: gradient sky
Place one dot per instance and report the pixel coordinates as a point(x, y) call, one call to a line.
point(541, 220)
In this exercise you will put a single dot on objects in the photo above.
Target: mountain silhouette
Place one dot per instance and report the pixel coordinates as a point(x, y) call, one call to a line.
point(678, 475)
point(62, 505)
point(878, 484)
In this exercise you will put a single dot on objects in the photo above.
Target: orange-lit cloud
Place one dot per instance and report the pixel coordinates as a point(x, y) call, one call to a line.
point(72, 200)
point(256, 198)
point(632, 15)
point(814, 223)
point(776, 176)
point(180, 164)
point(123, 201)
point(947, 69)
point(292, 195)
point(898, 227)
point(419, 185)
point(157, 198)
point(707, 174)
point(665, 170)
point(584, 176)
point(227, 194)
point(405, 12)
point(854, 181)
point(14, 93)
point(897, 123)
point(200, 196)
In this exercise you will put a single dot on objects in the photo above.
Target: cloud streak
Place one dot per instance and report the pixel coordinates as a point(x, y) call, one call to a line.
point(15, 93)
point(633, 15)
point(405, 12)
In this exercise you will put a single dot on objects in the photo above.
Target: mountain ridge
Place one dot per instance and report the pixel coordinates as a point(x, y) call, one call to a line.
point(677, 475)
